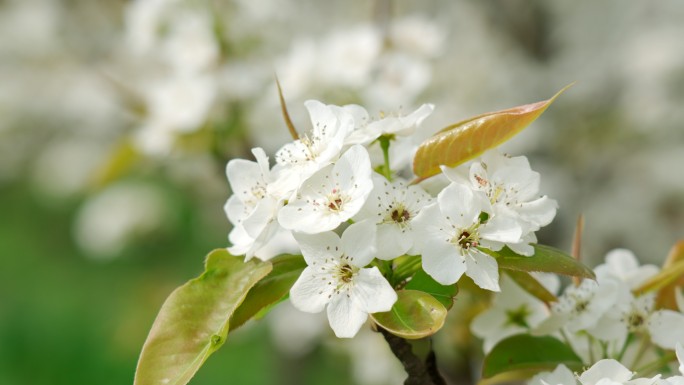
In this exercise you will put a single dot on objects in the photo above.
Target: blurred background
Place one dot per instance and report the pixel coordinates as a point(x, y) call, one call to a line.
point(117, 119)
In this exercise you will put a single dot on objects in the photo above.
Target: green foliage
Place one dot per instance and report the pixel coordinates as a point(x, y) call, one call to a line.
point(270, 290)
point(415, 315)
point(193, 322)
point(527, 355)
point(421, 281)
point(546, 259)
point(467, 139)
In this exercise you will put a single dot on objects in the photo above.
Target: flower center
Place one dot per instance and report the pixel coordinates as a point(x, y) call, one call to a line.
point(346, 273)
point(335, 200)
point(400, 215)
point(468, 238)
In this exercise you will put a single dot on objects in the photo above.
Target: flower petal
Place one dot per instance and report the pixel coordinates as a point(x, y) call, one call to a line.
point(391, 241)
point(665, 327)
point(483, 269)
point(358, 242)
point(345, 318)
point(316, 248)
point(308, 293)
point(603, 369)
point(372, 292)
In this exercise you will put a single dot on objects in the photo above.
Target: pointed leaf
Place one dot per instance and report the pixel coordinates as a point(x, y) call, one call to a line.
point(414, 315)
point(193, 322)
point(467, 139)
point(545, 259)
point(531, 285)
point(667, 280)
point(421, 281)
point(530, 354)
point(274, 287)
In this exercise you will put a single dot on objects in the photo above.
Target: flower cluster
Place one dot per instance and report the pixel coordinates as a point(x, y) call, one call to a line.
point(327, 198)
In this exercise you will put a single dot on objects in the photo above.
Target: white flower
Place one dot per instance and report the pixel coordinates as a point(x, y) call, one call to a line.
point(666, 328)
point(331, 196)
point(310, 153)
point(393, 207)
point(336, 278)
point(367, 130)
point(253, 208)
point(606, 372)
point(449, 234)
point(581, 307)
point(513, 190)
point(560, 376)
point(623, 265)
point(513, 311)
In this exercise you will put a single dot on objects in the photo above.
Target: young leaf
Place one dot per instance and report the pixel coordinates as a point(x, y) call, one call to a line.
point(666, 281)
point(193, 322)
point(415, 315)
point(546, 259)
point(531, 285)
point(271, 289)
point(467, 139)
point(528, 353)
point(421, 281)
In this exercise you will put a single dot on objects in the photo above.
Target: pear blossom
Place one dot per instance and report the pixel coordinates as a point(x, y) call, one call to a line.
point(560, 376)
point(393, 206)
point(624, 265)
point(331, 196)
point(367, 130)
point(336, 278)
point(315, 150)
point(450, 233)
point(253, 209)
point(513, 191)
point(513, 311)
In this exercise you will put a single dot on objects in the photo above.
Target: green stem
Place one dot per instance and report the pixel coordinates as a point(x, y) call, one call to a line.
point(628, 341)
point(640, 353)
point(656, 364)
point(384, 145)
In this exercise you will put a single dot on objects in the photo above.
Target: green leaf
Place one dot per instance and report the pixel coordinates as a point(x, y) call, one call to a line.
point(193, 322)
point(274, 287)
point(423, 282)
point(415, 315)
point(528, 353)
point(531, 285)
point(546, 259)
point(405, 267)
point(467, 139)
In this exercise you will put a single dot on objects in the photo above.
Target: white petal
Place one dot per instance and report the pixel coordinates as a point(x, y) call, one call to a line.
point(345, 318)
point(262, 160)
point(264, 213)
point(308, 294)
point(319, 247)
point(460, 204)
point(539, 212)
point(680, 356)
point(560, 376)
point(666, 328)
point(242, 176)
point(392, 242)
point(372, 291)
point(358, 242)
point(303, 217)
point(603, 369)
point(501, 229)
point(483, 269)
point(353, 170)
point(235, 210)
point(443, 263)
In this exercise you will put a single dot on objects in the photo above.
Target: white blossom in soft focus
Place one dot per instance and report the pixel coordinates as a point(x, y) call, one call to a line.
point(337, 279)
point(513, 311)
point(253, 209)
point(399, 80)
point(108, 222)
point(513, 190)
point(606, 372)
point(190, 45)
point(449, 235)
point(175, 106)
point(560, 376)
point(331, 196)
point(317, 149)
point(393, 206)
point(417, 35)
point(624, 265)
point(367, 130)
point(346, 57)
point(581, 307)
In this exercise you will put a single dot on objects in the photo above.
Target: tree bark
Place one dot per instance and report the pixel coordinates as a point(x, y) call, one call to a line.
point(420, 371)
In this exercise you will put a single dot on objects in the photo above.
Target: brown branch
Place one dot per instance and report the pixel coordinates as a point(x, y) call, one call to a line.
point(420, 372)
point(286, 115)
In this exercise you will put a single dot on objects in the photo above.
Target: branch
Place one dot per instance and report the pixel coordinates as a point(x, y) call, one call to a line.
point(420, 372)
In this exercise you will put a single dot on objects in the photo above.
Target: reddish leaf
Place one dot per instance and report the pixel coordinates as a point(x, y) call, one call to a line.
point(467, 139)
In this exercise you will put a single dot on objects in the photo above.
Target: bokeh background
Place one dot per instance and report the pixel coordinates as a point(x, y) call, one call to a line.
point(117, 119)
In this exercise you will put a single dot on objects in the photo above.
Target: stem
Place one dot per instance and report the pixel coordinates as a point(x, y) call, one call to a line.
point(643, 347)
point(420, 372)
point(656, 364)
point(384, 145)
point(628, 341)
